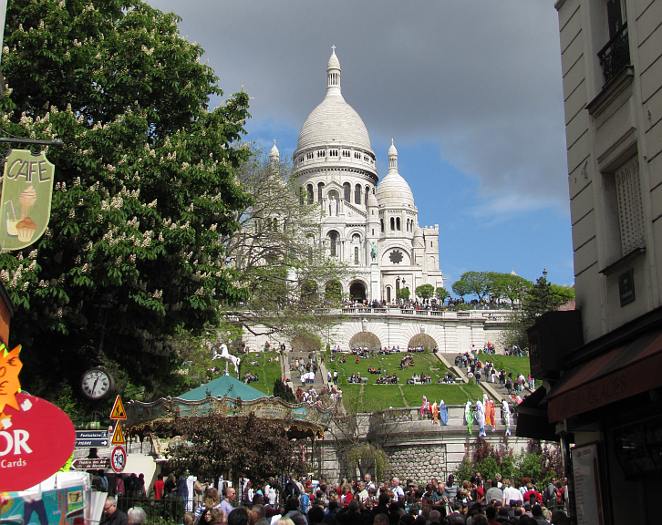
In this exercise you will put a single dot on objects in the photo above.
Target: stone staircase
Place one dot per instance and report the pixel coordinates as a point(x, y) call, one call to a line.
point(496, 390)
point(304, 358)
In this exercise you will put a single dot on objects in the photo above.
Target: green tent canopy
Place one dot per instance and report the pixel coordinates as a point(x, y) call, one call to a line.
point(223, 386)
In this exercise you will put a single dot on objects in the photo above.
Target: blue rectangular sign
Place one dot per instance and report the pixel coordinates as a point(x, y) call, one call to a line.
point(92, 438)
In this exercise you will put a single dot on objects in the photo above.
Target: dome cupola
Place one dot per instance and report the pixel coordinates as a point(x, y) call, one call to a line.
point(393, 191)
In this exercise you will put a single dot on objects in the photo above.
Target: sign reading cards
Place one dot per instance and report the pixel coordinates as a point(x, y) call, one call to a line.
point(25, 204)
point(35, 441)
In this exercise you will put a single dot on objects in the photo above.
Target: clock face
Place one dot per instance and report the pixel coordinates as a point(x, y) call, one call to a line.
point(96, 383)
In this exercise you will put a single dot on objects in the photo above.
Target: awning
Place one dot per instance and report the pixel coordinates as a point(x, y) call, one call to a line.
point(625, 371)
point(532, 417)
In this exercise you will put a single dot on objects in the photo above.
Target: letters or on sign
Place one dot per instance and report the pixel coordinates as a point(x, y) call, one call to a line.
point(118, 459)
point(118, 411)
point(91, 463)
point(118, 435)
point(35, 441)
point(25, 204)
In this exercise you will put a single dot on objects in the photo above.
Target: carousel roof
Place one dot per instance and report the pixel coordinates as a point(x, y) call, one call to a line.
point(223, 386)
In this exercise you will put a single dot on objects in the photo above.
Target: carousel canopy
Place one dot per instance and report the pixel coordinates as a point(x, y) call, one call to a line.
point(223, 386)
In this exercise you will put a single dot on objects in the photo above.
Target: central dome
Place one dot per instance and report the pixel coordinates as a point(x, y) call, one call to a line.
point(334, 121)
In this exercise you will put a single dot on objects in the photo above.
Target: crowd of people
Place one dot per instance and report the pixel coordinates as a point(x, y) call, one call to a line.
point(481, 368)
point(364, 502)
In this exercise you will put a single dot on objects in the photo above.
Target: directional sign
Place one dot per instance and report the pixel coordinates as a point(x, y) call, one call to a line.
point(118, 459)
point(118, 411)
point(91, 438)
point(91, 463)
point(118, 435)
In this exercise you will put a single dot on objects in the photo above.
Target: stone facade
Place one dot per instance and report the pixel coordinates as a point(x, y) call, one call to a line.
point(418, 463)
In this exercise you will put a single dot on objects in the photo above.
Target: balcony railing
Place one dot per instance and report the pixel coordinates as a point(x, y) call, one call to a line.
point(615, 56)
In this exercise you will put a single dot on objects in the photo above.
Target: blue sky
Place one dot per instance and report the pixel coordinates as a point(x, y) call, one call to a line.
point(470, 89)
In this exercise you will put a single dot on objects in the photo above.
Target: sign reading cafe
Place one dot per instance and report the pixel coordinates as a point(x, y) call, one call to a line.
point(25, 204)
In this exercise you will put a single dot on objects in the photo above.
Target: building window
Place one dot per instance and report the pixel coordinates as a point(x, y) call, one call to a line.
point(357, 155)
point(311, 197)
point(392, 224)
point(321, 153)
point(615, 55)
point(310, 155)
point(320, 188)
point(357, 194)
point(397, 224)
point(356, 255)
point(347, 191)
point(333, 243)
point(373, 232)
point(395, 257)
point(630, 209)
point(345, 153)
point(381, 223)
point(333, 153)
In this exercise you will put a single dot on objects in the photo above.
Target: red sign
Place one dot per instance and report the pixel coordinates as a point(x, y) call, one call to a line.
point(35, 442)
point(118, 459)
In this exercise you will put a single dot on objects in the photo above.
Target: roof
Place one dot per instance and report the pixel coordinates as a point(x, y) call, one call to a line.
point(224, 386)
point(334, 121)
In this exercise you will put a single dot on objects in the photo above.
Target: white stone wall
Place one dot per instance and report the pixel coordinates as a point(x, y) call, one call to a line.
point(453, 332)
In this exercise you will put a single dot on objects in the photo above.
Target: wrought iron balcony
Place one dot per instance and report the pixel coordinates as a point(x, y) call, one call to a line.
point(615, 56)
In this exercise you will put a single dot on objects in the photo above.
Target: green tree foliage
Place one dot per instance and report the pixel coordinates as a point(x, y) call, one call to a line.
point(368, 458)
point(216, 444)
point(473, 283)
point(425, 291)
point(508, 286)
point(146, 189)
point(538, 463)
point(540, 298)
point(441, 294)
point(404, 293)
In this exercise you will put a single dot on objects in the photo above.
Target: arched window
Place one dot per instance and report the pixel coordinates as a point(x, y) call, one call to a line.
point(320, 187)
point(311, 196)
point(357, 194)
point(367, 192)
point(356, 255)
point(381, 222)
point(397, 224)
point(333, 243)
point(392, 224)
point(347, 192)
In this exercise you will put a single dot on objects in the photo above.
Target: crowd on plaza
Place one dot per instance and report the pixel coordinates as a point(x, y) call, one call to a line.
point(481, 368)
point(364, 502)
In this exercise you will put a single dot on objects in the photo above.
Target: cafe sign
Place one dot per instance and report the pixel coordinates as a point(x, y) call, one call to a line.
point(25, 204)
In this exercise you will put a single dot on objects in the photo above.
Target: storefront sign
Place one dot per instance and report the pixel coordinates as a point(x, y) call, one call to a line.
point(36, 437)
point(35, 442)
point(25, 205)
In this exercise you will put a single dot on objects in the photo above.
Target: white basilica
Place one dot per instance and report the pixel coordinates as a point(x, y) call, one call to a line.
point(373, 228)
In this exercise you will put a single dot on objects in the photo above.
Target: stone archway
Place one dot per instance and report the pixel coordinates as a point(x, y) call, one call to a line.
point(333, 291)
point(306, 343)
point(424, 340)
point(357, 291)
point(365, 339)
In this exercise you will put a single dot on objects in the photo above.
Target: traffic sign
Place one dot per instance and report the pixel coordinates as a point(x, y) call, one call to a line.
point(118, 411)
point(91, 463)
point(118, 459)
point(91, 438)
point(118, 435)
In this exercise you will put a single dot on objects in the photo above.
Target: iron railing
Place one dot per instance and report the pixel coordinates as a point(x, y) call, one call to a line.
point(615, 56)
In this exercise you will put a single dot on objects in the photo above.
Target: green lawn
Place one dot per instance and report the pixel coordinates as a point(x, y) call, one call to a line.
point(510, 363)
point(389, 364)
point(265, 365)
point(372, 397)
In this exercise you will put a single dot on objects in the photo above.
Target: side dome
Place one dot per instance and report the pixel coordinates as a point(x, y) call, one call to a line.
point(393, 191)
